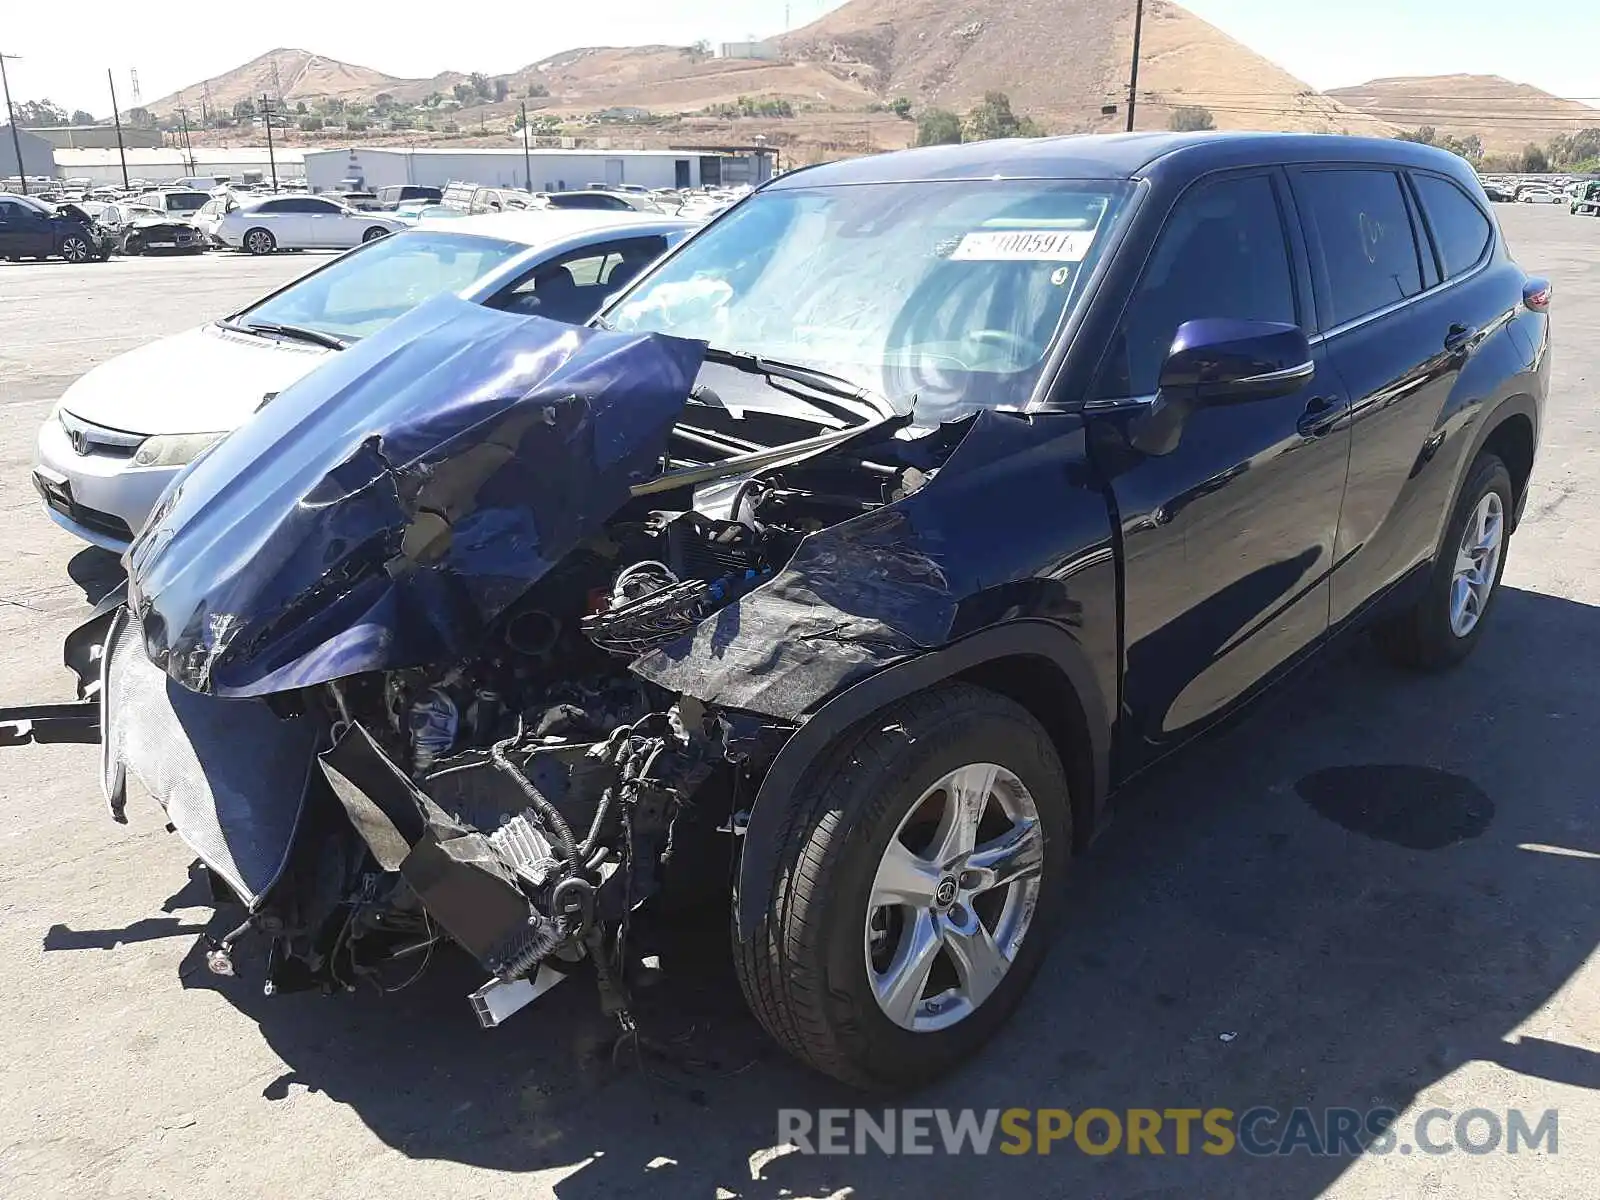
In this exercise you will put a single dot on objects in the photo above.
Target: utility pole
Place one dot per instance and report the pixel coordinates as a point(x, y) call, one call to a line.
point(527, 159)
point(11, 117)
point(266, 119)
point(1133, 74)
point(117, 118)
point(188, 148)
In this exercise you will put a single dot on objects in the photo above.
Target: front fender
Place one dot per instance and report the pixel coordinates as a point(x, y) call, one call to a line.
point(1034, 638)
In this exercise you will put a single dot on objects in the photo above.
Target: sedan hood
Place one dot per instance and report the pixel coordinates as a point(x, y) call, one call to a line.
point(204, 381)
point(381, 512)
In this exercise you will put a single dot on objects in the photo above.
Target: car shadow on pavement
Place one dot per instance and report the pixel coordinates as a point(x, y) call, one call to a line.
point(1374, 879)
point(97, 573)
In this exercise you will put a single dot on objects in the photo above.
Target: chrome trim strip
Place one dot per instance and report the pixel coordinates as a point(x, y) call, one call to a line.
point(1092, 559)
point(1303, 370)
point(1386, 310)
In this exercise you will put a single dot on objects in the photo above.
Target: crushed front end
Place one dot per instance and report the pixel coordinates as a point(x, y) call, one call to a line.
point(485, 631)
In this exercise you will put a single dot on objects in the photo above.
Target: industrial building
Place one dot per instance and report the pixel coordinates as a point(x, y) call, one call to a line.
point(97, 137)
point(104, 167)
point(36, 154)
point(371, 167)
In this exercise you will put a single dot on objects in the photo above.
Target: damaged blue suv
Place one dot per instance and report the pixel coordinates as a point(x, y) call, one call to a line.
point(858, 552)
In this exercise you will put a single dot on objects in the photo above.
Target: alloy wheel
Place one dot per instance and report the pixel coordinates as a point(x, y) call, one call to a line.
point(259, 242)
point(953, 897)
point(1477, 564)
point(75, 249)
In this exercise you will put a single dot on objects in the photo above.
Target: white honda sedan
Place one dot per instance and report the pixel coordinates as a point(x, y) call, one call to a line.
point(301, 223)
point(124, 431)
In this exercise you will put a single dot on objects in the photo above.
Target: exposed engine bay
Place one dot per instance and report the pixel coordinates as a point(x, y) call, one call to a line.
point(518, 642)
point(524, 802)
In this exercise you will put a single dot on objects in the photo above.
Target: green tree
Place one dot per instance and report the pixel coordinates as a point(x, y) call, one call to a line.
point(536, 91)
point(481, 85)
point(245, 109)
point(901, 107)
point(300, 108)
point(310, 123)
point(1469, 147)
point(40, 114)
point(501, 89)
point(1427, 135)
point(1534, 160)
point(464, 92)
point(1191, 118)
point(80, 117)
point(994, 119)
point(140, 118)
point(938, 127)
point(402, 120)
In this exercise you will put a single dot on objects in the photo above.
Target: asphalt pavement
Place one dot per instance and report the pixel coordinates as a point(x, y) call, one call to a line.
point(1376, 890)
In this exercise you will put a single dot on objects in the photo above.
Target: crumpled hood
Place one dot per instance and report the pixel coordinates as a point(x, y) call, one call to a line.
point(381, 512)
point(204, 380)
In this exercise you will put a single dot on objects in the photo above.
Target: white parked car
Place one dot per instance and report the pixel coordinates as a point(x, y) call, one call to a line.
point(124, 431)
point(301, 223)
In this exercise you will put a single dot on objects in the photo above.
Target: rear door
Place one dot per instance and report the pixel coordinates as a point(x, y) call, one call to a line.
point(327, 224)
point(1228, 539)
point(1398, 329)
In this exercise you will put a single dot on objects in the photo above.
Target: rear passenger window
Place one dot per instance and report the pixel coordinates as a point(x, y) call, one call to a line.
point(1369, 254)
point(1460, 230)
point(1222, 254)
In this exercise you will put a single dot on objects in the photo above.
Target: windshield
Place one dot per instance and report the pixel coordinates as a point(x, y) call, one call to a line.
point(363, 291)
point(947, 292)
point(187, 201)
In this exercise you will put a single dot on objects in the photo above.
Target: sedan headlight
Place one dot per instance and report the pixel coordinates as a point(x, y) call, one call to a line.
point(174, 449)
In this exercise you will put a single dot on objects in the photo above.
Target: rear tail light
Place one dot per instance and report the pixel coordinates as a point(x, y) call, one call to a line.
point(1536, 295)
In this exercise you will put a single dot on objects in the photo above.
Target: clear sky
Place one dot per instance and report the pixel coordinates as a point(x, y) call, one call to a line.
point(1553, 45)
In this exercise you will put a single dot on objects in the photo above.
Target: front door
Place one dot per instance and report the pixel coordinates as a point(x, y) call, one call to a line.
point(1228, 538)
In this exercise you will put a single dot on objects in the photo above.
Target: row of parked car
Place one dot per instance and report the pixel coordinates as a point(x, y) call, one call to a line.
point(861, 543)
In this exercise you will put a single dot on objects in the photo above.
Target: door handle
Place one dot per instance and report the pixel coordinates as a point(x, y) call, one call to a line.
point(1322, 414)
point(1460, 339)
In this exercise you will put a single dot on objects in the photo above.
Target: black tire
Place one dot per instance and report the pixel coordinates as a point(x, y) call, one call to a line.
point(259, 241)
point(373, 234)
point(75, 248)
point(133, 246)
point(804, 971)
point(1421, 638)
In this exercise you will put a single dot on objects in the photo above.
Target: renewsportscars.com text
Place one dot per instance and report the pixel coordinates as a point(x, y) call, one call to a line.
point(1261, 1131)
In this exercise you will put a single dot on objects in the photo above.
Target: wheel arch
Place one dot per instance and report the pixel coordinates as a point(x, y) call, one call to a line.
point(1034, 662)
point(1511, 435)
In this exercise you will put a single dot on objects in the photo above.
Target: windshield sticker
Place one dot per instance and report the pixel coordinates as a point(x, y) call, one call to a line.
point(1023, 245)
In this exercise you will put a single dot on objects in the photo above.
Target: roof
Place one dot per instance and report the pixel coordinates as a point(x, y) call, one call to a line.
point(66, 159)
point(425, 151)
point(1112, 156)
point(540, 227)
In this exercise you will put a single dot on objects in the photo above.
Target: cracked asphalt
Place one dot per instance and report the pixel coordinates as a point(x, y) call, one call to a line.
point(1375, 890)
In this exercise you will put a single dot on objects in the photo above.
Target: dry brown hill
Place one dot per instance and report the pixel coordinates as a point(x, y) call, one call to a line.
point(1062, 60)
point(298, 75)
point(1506, 116)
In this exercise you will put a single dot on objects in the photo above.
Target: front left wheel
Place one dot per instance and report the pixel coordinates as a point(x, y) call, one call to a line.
point(920, 872)
point(75, 248)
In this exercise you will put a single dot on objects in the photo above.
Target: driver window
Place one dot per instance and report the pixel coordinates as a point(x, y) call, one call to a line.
point(1222, 254)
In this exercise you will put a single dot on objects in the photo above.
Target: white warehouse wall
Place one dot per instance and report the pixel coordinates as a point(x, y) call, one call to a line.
point(553, 170)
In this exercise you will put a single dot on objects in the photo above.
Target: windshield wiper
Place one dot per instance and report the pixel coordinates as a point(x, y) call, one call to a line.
point(822, 381)
point(297, 333)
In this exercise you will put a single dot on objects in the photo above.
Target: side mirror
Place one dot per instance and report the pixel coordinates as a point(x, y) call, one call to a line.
point(1220, 360)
